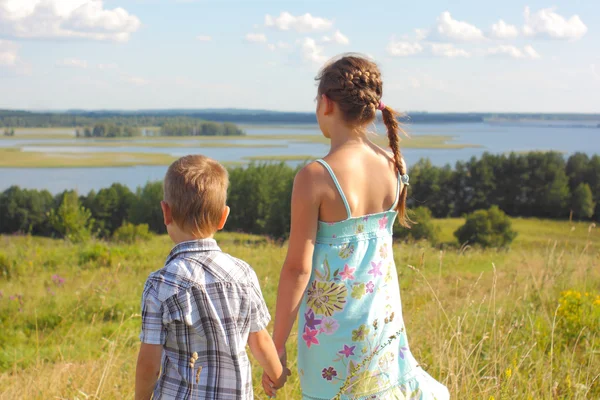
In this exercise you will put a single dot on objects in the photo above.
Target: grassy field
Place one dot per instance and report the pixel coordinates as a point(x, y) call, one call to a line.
point(13, 157)
point(517, 324)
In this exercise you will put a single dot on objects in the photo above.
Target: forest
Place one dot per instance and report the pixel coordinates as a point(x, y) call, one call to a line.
point(542, 185)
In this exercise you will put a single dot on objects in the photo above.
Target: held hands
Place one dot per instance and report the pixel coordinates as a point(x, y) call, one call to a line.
point(270, 387)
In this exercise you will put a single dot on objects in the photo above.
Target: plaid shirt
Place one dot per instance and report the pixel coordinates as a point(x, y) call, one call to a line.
point(206, 302)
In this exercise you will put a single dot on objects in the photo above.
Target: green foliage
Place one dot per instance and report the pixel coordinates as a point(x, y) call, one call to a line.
point(24, 210)
point(146, 209)
point(96, 254)
point(110, 208)
point(70, 220)
point(487, 228)
point(130, 233)
point(578, 314)
point(260, 197)
point(5, 266)
point(109, 130)
point(9, 131)
point(582, 202)
point(423, 227)
point(200, 128)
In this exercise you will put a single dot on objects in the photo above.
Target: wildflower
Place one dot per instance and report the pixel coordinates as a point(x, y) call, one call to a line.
point(508, 373)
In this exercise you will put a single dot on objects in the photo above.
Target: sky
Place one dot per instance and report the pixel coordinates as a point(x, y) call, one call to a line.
point(436, 56)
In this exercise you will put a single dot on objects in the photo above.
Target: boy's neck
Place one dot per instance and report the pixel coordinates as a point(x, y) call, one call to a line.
point(180, 237)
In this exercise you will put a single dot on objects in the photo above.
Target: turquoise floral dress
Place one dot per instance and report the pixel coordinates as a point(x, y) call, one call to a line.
point(352, 341)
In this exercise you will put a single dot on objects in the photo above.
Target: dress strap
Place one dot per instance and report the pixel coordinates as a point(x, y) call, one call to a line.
point(397, 193)
point(337, 185)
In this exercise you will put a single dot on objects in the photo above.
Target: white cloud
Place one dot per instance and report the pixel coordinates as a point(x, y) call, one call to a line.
point(338, 37)
point(311, 51)
point(448, 50)
point(302, 23)
point(514, 52)
point(8, 53)
point(271, 47)
point(448, 28)
point(72, 63)
point(256, 37)
point(403, 49)
point(107, 66)
point(135, 80)
point(203, 38)
point(531, 53)
point(83, 19)
point(547, 23)
point(421, 34)
point(502, 30)
point(283, 45)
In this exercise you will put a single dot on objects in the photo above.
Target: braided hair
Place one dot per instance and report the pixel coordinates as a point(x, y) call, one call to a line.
point(354, 84)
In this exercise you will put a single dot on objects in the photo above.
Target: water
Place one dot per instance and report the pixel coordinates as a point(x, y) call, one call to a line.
point(493, 137)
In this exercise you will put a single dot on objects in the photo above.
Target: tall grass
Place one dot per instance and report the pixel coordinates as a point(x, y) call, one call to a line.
point(517, 324)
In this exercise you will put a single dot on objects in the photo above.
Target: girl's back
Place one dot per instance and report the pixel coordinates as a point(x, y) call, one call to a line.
point(339, 276)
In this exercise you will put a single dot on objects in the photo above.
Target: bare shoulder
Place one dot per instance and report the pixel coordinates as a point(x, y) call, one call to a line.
point(309, 180)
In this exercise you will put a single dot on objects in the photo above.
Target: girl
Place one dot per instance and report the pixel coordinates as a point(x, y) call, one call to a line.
point(339, 274)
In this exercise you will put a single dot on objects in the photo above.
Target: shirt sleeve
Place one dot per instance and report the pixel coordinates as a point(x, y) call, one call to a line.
point(260, 316)
point(153, 330)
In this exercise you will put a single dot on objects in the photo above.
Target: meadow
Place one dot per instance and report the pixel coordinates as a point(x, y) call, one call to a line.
point(490, 324)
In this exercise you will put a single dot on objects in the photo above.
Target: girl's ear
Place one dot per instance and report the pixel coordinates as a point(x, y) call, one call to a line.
point(327, 104)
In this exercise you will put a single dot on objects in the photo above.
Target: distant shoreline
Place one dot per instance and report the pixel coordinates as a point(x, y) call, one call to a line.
point(275, 117)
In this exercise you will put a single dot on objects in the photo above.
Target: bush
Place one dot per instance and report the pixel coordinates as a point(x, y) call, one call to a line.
point(130, 233)
point(487, 228)
point(582, 202)
point(422, 229)
point(97, 254)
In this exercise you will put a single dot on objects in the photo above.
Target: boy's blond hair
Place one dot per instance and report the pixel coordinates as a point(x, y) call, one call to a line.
point(195, 188)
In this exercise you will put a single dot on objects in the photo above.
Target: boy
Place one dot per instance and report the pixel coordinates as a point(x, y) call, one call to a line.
point(201, 309)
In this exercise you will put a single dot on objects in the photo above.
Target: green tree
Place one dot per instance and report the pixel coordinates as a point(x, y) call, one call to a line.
point(146, 208)
point(24, 210)
point(70, 220)
point(423, 227)
point(486, 228)
point(110, 207)
point(577, 168)
point(582, 201)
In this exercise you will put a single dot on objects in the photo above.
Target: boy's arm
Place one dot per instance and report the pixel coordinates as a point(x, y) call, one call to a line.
point(147, 370)
point(263, 349)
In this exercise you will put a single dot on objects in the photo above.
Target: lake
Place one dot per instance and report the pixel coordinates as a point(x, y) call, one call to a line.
point(500, 137)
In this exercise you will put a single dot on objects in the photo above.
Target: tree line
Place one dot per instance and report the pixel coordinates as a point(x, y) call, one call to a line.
point(541, 185)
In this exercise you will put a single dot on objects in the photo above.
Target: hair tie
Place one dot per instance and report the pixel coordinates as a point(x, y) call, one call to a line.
point(381, 106)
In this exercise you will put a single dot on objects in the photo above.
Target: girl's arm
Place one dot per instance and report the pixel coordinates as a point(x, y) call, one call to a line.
point(296, 270)
point(263, 349)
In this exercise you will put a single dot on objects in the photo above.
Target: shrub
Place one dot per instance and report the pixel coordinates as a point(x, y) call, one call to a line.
point(487, 228)
point(97, 254)
point(130, 233)
point(578, 314)
point(422, 229)
point(582, 201)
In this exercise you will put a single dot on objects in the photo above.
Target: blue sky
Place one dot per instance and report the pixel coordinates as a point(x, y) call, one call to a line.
point(530, 56)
